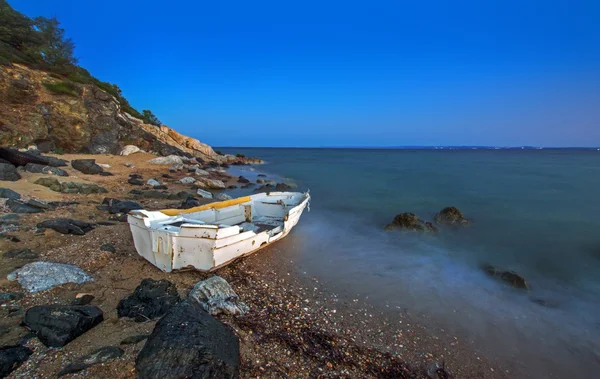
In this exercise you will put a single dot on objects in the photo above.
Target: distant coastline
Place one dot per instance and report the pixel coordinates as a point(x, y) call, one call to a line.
point(415, 147)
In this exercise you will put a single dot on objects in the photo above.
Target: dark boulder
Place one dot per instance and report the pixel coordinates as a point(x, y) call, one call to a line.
point(136, 176)
point(87, 166)
point(84, 299)
point(241, 179)
point(7, 193)
point(67, 226)
point(151, 299)
point(188, 203)
point(106, 173)
point(509, 277)
point(56, 162)
point(261, 175)
point(19, 158)
point(248, 185)
point(451, 216)
point(11, 357)
point(104, 354)
point(8, 172)
point(409, 221)
point(18, 206)
point(45, 145)
point(21, 254)
point(282, 187)
point(201, 346)
point(57, 325)
point(42, 169)
point(135, 182)
point(114, 206)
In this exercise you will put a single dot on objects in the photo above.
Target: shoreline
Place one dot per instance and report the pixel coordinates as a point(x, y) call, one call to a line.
point(295, 327)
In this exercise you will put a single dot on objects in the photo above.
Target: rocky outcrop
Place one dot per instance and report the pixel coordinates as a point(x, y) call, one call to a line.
point(451, 216)
point(409, 221)
point(508, 277)
point(88, 121)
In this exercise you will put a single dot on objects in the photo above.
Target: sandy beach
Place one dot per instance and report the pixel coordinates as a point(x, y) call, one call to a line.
point(295, 327)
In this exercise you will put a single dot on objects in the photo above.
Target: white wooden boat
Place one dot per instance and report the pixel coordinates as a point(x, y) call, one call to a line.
point(212, 235)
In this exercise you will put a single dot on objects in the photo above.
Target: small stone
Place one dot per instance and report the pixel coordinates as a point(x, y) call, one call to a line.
point(101, 355)
point(83, 299)
point(131, 340)
point(135, 182)
point(129, 164)
point(9, 172)
point(21, 254)
point(223, 197)
point(204, 194)
point(187, 180)
point(153, 183)
point(108, 247)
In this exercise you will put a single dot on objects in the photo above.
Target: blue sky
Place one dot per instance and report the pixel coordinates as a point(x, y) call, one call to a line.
point(345, 73)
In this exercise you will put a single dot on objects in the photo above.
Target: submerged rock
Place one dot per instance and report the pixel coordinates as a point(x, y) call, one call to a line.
point(104, 354)
point(40, 276)
point(57, 325)
point(410, 221)
point(244, 180)
point(7, 193)
point(202, 347)
point(11, 357)
point(151, 299)
point(67, 226)
point(509, 277)
point(451, 216)
point(282, 187)
point(87, 166)
point(8, 172)
point(216, 296)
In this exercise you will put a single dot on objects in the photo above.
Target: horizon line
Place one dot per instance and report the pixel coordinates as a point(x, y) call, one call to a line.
point(431, 147)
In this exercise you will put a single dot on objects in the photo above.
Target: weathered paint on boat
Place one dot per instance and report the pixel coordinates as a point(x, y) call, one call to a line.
point(212, 235)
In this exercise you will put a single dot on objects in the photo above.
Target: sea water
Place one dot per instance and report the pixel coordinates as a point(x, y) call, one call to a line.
point(536, 212)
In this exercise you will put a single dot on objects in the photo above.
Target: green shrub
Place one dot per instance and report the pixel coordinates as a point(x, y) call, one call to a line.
point(59, 151)
point(62, 88)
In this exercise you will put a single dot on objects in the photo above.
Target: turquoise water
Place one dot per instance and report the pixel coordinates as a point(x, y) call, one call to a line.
point(536, 212)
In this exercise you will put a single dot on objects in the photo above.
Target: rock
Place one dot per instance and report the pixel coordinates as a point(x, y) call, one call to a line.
point(83, 299)
point(57, 325)
point(9, 237)
point(40, 276)
point(135, 182)
point(451, 216)
point(8, 172)
point(232, 186)
point(241, 179)
point(169, 160)
point(108, 247)
point(204, 194)
point(282, 187)
point(136, 176)
point(153, 194)
point(45, 145)
point(249, 185)
point(153, 183)
point(410, 221)
point(509, 277)
point(206, 183)
point(87, 166)
point(188, 203)
point(56, 204)
point(129, 149)
point(132, 340)
point(70, 187)
point(7, 297)
point(223, 197)
point(202, 347)
point(104, 354)
point(261, 175)
point(175, 168)
point(201, 172)
point(167, 176)
point(67, 226)
point(151, 299)
point(11, 357)
point(129, 164)
point(56, 162)
point(41, 169)
point(187, 180)
point(260, 181)
point(7, 193)
point(18, 206)
point(216, 296)
point(18, 158)
point(21, 254)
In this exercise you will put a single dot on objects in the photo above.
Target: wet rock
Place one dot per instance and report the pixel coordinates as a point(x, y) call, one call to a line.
point(409, 221)
point(83, 299)
point(135, 182)
point(232, 186)
point(8, 172)
point(7, 193)
point(87, 166)
point(129, 149)
point(223, 197)
point(41, 169)
point(282, 187)
point(188, 203)
point(21, 254)
point(151, 299)
point(70, 187)
point(104, 354)
point(244, 180)
point(179, 195)
point(187, 180)
point(202, 347)
point(40, 276)
point(261, 175)
point(451, 216)
point(18, 206)
point(153, 183)
point(132, 340)
point(204, 194)
point(249, 185)
point(206, 183)
point(260, 181)
point(509, 277)
point(216, 296)
point(169, 160)
point(57, 325)
point(114, 206)
point(11, 357)
point(67, 226)
point(108, 247)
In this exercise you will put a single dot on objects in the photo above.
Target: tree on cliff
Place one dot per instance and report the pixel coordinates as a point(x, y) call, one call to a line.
point(150, 118)
point(19, 42)
point(55, 50)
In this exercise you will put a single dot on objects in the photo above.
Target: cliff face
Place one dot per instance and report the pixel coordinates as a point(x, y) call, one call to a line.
point(81, 119)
